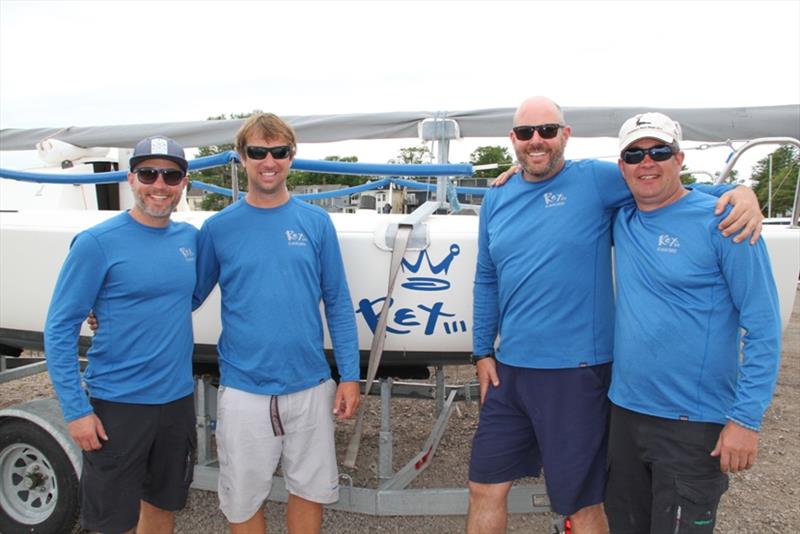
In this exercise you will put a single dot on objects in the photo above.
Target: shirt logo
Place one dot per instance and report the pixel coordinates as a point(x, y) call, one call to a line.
point(668, 243)
point(552, 200)
point(296, 239)
point(187, 253)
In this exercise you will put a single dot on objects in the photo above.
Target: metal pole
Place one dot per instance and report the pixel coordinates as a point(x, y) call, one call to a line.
point(202, 419)
point(439, 390)
point(793, 223)
point(769, 189)
point(234, 182)
point(441, 182)
point(385, 437)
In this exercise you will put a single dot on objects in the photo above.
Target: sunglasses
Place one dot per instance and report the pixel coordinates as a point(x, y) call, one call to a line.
point(260, 152)
point(632, 156)
point(546, 131)
point(149, 175)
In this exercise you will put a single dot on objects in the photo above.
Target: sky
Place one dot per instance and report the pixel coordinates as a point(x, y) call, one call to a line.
point(117, 62)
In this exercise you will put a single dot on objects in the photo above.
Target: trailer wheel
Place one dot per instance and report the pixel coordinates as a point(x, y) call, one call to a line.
point(38, 485)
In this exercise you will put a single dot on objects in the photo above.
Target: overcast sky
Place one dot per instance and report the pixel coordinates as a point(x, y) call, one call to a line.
point(115, 62)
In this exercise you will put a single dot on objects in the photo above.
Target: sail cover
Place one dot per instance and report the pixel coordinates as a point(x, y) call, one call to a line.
point(700, 124)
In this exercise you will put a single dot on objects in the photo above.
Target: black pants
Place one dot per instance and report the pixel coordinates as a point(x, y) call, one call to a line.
point(662, 478)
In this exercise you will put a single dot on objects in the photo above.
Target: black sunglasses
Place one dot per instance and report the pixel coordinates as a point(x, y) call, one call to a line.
point(546, 131)
point(632, 156)
point(149, 175)
point(260, 152)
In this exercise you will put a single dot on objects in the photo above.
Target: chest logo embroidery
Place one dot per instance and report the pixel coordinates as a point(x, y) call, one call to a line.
point(296, 239)
point(552, 200)
point(187, 253)
point(668, 243)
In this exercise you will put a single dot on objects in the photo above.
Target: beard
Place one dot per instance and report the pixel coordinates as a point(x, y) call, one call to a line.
point(541, 171)
point(166, 211)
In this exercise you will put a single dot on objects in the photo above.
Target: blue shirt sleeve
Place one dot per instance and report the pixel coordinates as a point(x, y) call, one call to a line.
point(485, 305)
point(339, 312)
point(76, 291)
point(207, 266)
point(611, 186)
point(748, 273)
point(715, 190)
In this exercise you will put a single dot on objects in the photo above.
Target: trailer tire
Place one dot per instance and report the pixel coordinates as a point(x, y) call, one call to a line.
point(38, 484)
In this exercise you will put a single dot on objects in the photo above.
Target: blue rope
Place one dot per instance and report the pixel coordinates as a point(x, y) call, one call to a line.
point(223, 158)
point(350, 190)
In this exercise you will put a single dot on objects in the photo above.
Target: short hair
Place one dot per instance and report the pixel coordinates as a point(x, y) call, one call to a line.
point(268, 126)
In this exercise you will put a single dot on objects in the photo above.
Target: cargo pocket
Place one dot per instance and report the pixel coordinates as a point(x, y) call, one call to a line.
point(696, 506)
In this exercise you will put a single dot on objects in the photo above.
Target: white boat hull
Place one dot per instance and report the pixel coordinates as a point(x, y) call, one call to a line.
point(431, 312)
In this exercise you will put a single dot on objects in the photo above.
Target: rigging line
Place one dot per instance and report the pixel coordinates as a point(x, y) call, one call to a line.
point(778, 187)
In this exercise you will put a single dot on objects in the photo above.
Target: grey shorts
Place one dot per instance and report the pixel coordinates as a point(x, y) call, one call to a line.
point(256, 432)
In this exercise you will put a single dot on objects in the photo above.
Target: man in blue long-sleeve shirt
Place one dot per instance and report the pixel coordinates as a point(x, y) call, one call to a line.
point(136, 427)
point(276, 259)
point(686, 408)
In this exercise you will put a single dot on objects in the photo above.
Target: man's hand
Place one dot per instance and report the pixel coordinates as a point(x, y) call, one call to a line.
point(503, 178)
point(347, 400)
point(737, 448)
point(92, 321)
point(486, 369)
point(87, 432)
point(745, 216)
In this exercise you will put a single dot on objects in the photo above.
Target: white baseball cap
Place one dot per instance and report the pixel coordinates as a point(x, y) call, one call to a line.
point(649, 125)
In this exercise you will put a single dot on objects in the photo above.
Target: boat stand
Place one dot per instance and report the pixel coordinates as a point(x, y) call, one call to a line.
point(392, 497)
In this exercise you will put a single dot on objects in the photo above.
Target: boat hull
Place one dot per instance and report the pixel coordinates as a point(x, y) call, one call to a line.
point(430, 318)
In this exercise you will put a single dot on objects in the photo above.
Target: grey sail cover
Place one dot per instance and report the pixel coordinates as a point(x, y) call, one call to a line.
point(701, 124)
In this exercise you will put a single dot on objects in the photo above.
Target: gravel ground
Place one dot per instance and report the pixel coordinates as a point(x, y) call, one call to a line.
point(765, 499)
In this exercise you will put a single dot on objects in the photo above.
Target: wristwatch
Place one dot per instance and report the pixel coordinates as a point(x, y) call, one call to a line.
point(475, 358)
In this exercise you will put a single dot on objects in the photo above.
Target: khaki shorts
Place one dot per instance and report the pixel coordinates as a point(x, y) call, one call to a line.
point(255, 432)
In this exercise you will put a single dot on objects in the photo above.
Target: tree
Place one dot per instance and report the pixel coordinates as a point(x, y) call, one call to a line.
point(220, 176)
point(413, 155)
point(785, 164)
point(484, 155)
point(687, 179)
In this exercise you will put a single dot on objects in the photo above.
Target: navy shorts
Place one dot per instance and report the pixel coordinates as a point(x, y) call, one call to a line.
point(662, 477)
point(556, 419)
point(149, 455)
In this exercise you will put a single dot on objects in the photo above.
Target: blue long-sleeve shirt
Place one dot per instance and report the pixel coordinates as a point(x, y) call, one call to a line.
point(274, 267)
point(683, 295)
point(139, 282)
point(543, 274)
